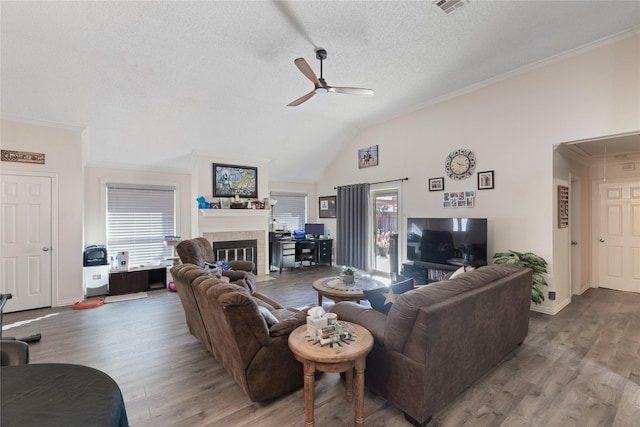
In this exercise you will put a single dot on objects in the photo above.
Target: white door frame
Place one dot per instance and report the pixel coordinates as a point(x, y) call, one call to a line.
point(382, 190)
point(575, 235)
point(595, 223)
point(54, 225)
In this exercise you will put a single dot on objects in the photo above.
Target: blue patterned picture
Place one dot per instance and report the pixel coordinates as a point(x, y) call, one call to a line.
point(229, 180)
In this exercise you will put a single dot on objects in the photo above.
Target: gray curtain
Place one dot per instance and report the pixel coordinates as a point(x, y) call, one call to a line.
point(352, 222)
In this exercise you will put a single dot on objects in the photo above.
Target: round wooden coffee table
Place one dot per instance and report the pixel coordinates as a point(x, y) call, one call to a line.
point(344, 356)
point(334, 289)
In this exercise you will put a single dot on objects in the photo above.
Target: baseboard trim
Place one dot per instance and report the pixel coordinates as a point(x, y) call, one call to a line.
point(551, 310)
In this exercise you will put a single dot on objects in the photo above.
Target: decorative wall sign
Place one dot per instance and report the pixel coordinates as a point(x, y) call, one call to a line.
point(22, 157)
point(368, 157)
point(485, 180)
point(563, 206)
point(327, 207)
point(230, 180)
point(436, 184)
point(459, 199)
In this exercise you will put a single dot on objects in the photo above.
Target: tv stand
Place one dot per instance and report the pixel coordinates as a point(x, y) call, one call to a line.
point(424, 273)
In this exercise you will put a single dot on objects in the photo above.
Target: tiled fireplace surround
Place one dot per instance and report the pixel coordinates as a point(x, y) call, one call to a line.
point(224, 225)
point(258, 236)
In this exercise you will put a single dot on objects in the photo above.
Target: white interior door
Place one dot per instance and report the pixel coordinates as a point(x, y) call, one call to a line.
point(25, 236)
point(619, 240)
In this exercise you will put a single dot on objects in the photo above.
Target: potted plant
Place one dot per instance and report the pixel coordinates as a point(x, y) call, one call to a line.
point(382, 243)
point(529, 260)
point(348, 274)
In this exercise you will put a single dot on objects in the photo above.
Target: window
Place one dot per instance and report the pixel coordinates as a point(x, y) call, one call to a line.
point(291, 210)
point(138, 219)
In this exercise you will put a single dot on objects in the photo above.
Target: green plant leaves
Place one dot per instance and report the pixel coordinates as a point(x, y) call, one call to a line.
point(528, 260)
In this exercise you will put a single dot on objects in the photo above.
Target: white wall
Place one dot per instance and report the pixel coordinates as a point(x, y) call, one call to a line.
point(63, 161)
point(512, 126)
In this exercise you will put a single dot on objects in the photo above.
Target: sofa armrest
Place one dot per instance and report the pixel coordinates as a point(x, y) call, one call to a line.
point(241, 265)
point(275, 304)
point(372, 320)
point(288, 325)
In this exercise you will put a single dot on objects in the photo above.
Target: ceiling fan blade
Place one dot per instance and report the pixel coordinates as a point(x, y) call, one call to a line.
point(307, 71)
point(350, 90)
point(301, 99)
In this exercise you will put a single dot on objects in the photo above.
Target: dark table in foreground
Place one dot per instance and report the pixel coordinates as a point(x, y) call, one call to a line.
point(54, 394)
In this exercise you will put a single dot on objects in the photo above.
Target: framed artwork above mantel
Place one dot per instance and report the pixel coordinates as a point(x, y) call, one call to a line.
point(233, 180)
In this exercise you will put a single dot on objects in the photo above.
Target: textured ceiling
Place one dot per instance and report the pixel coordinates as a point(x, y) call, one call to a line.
point(155, 81)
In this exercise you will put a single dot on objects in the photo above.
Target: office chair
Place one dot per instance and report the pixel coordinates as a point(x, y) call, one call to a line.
point(13, 352)
point(306, 251)
point(32, 338)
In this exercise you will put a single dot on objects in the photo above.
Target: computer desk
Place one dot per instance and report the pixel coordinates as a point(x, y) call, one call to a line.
point(283, 252)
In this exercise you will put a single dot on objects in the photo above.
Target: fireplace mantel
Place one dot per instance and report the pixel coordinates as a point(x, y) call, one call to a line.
point(235, 212)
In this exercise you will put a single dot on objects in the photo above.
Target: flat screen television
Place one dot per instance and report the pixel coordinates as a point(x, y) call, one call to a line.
point(447, 240)
point(315, 230)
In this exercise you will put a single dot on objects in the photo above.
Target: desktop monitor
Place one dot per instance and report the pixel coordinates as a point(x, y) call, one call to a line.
point(315, 230)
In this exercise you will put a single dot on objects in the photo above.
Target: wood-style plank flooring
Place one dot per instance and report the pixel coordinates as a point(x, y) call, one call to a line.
point(578, 368)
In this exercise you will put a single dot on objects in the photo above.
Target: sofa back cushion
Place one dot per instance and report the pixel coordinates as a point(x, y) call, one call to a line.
point(404, 313)
point(196, 251)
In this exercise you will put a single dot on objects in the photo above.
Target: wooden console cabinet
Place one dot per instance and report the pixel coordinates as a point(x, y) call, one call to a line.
point(142, 280)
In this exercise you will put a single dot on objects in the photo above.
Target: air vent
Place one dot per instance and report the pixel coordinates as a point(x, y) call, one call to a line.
point(628, 166)
point(450, 6)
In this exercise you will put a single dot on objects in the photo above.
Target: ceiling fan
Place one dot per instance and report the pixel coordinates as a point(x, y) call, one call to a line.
point(320, 85)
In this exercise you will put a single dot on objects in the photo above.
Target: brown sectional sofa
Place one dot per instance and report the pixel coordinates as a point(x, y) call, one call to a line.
point(439, 339)
point(227, 319)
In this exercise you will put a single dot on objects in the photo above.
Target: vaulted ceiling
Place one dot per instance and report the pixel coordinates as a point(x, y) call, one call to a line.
point(154, 81)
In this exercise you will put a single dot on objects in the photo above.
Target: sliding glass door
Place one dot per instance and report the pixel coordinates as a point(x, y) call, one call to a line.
point(385, 231)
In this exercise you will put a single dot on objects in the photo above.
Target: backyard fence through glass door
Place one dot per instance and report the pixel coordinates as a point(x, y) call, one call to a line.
point(385, 230)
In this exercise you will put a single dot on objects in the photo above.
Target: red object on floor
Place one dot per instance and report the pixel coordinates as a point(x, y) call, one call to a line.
point(88, 303)
point(172, 287)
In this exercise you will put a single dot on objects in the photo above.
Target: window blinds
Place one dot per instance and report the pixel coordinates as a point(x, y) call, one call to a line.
point(291, 209)
point(138, 219)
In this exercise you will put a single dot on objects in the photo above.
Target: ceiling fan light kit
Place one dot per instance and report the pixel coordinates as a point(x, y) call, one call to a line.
point(320, 86)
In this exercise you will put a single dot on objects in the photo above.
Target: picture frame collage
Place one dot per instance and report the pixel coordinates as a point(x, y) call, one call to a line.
point(459, 199)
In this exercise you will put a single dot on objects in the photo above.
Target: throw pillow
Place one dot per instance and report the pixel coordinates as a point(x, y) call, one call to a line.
point(460, 271)
point(382, 299)
point(268, 316)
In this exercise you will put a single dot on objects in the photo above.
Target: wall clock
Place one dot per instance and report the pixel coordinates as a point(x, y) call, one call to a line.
point(460, 164)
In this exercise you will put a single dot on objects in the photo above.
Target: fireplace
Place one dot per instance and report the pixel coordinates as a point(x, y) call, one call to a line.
point(249, 245)
point(232, 250)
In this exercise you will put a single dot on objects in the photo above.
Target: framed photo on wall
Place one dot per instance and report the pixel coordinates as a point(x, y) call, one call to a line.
point(327, 207)
point(485, 180)
point(231, 180)
point(436, 184)
point(368, 156)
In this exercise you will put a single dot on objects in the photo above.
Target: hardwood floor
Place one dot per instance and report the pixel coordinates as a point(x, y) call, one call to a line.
point(578, 368)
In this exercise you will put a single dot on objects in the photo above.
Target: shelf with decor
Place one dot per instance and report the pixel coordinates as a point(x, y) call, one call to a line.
point(235, 212)
point(425, 273)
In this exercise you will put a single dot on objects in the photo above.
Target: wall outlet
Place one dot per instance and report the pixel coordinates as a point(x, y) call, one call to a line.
point(552, 295)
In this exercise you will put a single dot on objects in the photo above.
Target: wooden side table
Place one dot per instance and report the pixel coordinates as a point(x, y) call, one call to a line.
point(345, 356)
point(333, 288)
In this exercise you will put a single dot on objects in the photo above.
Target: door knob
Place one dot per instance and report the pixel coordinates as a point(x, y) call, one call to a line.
point(601, 240)
point(45, 249)
point(574, 243)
